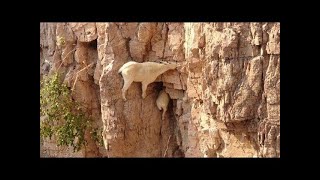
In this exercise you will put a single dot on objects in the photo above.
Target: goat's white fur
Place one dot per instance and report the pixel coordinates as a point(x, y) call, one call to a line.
point(146, 73)
point(162, 102)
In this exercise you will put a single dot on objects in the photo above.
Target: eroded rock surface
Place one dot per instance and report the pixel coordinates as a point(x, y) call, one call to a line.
point(225, 93)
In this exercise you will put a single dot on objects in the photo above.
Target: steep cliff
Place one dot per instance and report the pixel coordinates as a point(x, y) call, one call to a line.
point(225, 93)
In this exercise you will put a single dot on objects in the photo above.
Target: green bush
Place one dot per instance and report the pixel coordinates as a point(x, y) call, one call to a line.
point(65, 119)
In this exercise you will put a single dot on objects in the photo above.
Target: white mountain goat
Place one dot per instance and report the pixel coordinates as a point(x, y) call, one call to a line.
point(146, 73)
point(162, 102)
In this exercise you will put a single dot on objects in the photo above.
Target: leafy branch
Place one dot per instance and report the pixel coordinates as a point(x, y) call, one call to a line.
point(64, 118)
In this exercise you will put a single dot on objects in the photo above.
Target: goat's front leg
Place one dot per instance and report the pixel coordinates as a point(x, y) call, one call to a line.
point(144, 89)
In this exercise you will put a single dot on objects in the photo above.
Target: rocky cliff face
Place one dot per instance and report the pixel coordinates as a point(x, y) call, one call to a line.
point(225, 93)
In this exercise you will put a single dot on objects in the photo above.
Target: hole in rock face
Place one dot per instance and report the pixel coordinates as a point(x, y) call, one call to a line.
point(159, 86)
point(93, 44)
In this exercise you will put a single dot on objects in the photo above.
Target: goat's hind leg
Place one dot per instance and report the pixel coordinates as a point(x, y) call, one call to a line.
point(126, 85)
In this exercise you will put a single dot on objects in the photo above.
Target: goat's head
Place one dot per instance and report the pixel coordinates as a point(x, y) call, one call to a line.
point(172, 65)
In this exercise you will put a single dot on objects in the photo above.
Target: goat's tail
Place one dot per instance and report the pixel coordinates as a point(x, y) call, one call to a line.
point(126, 65)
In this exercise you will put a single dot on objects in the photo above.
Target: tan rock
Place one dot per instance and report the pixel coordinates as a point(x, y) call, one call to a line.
point(85, 32)
point(225, 95)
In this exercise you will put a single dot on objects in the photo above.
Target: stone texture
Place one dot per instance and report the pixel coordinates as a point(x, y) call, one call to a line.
point(225, 93)
point(69, 59)
point(85, 32)
point(233, 78)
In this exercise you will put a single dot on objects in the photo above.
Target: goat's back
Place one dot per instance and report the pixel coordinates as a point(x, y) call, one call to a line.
point(126, 65)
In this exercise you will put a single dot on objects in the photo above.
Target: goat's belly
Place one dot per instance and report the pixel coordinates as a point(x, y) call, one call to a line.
point(139, 79)
point(141, 75)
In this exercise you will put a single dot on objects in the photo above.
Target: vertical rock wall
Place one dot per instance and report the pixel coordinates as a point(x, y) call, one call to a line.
point(225, 94)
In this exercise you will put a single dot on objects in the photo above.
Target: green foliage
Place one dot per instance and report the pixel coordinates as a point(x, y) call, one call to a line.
point(96, 134)
point(65, 118)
